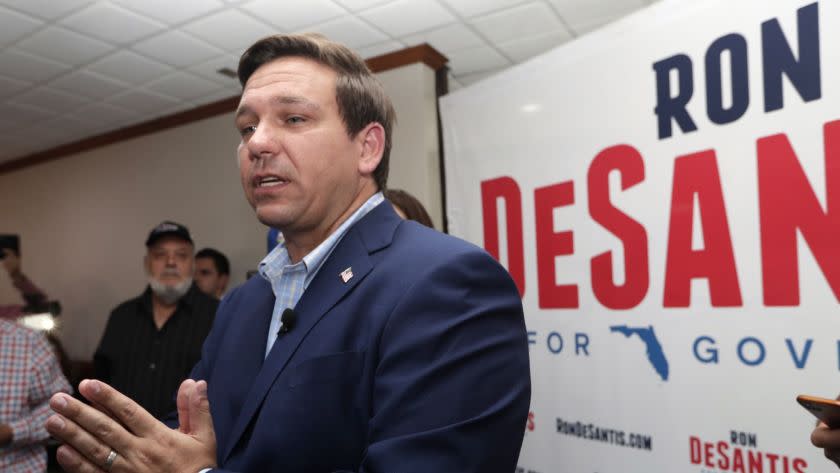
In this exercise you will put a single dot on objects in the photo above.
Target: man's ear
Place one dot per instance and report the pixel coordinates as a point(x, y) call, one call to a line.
point(146, 266)
point(225, 280)
point(372, 141)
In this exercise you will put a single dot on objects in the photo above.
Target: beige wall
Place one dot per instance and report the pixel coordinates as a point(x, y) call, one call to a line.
point(83, 219)
point(415, 157)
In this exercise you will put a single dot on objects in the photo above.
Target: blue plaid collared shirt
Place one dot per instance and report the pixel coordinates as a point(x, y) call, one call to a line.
point(289, 281)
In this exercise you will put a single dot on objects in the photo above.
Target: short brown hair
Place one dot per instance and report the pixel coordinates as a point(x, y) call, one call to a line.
point(411, 207)
point(361, 98)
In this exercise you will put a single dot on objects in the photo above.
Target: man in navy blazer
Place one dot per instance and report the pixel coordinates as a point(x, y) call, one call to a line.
point(369, 344)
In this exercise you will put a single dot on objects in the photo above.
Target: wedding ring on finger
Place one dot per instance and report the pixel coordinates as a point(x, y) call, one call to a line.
point(109, 462)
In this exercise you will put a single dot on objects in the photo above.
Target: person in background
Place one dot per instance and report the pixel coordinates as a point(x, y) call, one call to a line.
point(152, 341)
point(408, 207)
point(29, 374)
point(366, 343)
point(33, 296)
point(212, 272)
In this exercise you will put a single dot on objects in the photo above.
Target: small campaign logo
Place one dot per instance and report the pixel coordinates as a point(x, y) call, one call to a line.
point(740, 453)
point(603, 434)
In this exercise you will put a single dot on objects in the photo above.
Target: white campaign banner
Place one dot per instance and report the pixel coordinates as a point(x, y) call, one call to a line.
point(666, 194)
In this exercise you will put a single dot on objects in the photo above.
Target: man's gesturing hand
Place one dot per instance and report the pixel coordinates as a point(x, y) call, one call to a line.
point(121, 436)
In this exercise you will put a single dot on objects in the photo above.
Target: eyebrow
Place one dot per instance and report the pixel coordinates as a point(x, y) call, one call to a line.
point(244, 109)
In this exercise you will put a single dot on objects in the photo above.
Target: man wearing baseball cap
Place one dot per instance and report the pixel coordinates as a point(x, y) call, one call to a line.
point(152, 341)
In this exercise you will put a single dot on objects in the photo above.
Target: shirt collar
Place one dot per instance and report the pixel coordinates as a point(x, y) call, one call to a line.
point(271, 267)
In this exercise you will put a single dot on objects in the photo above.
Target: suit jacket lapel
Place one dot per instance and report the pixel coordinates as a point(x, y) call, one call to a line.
point(248, 345)
point(326, 290)
point(251, 342)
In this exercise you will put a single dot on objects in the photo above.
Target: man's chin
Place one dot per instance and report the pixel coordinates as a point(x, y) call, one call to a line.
point(171, 283)
point(273, 217)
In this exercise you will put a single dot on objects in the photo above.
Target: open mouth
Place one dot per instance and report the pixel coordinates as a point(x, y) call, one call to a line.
point(269, 181)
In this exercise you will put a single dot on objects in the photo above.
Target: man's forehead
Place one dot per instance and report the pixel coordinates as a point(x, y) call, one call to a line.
point(289, 69)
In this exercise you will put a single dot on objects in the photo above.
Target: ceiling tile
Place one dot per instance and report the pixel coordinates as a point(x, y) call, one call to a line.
point(467, 79)
point(358, 5)
point(161, 112)
point(12, 148)
point(586, 25)
point(404, 17)
point(380, 49)
point(42, 140)
point(183, 86)
point(7, 138)
point(50, 99)
point(471, 8)
point(448, 39)
point(89, 84)
point(130, 67)
point(522, 49)
point(111, 23)
point(142, 102)
point(73, 128)
point(234, 89)
point(20, 65)
point(209, 69)
point(452, 83)
point(105, 114)
point(172, 12)
point(9, 125)
point(9, 86)
point(59, 44)
point(508, 25)
point(291, 16)
point(23, 113)
point(177, 49)
point(221, 94)
point(230, 30)
point(584, 15)
point(48, 9)
point(482, 58)
point(44, 102)
point(350, 31)
point(15, 26)
point(582, 8)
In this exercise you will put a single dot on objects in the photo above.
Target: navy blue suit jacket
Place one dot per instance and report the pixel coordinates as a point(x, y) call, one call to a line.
point(418, 363)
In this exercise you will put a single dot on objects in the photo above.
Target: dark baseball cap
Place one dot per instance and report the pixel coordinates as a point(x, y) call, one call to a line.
point(168, 228)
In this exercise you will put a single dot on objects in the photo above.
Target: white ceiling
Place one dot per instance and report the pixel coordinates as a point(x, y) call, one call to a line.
point(70, 69)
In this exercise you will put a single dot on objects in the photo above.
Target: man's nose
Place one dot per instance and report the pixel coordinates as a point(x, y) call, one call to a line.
point(264, 142)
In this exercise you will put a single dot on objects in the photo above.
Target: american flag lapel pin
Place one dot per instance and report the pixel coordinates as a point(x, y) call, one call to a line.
point(346, 275)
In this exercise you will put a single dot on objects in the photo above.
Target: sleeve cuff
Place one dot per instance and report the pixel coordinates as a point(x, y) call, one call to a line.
point(20, 431)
